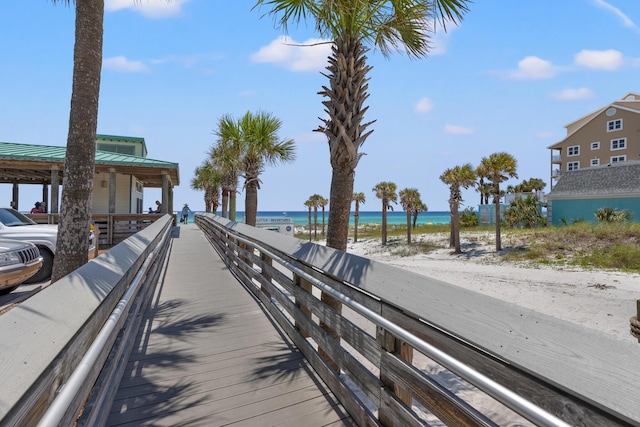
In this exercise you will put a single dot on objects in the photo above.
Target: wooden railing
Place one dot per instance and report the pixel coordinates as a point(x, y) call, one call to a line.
point(67, 345)
point(549, 371)
point(111, 229)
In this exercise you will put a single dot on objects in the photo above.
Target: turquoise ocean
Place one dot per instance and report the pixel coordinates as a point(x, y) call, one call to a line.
point(301, 218)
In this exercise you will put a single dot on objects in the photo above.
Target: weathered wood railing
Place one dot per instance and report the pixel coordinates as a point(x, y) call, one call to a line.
point(65, 347)
point(111, 228)
point(550, 371)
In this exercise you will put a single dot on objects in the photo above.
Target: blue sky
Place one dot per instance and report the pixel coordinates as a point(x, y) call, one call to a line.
point(509, 78)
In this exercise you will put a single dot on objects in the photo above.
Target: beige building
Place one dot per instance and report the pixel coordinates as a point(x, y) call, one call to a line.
point(607, 136)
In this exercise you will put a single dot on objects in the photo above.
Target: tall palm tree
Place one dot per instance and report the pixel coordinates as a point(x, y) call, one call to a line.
point(410, 200)
point(460, 176)
point(358, 198)
point(500, 167)
point(351, 27)
point(316, 199)
point(227, 154)
point(385, 191)
point(79, 165)
point(260, 145)
point(208, 178)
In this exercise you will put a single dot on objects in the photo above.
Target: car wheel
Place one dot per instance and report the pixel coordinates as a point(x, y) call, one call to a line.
point(45, 271)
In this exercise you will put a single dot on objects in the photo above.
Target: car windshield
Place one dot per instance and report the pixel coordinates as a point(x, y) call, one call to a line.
point(13, 218)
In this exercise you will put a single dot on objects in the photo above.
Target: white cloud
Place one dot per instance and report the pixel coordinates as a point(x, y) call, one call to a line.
point(572, 94)
point(626, 21)
point(599, 59)
point(424, 105)
point(310, 55)
point(533, 67)
point(120, 63)
point(458, 130)
point(440, 39)
point(154, 9)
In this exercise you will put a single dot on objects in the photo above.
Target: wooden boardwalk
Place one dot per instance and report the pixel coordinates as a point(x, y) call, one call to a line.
point(208, 355)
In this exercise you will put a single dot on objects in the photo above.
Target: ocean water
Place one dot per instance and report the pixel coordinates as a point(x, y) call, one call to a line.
point(301, 218)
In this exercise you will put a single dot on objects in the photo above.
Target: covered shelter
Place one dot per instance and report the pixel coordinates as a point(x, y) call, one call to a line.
point(119, 178)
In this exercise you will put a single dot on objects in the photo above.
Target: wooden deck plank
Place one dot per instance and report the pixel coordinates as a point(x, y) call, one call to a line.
point(207, 354)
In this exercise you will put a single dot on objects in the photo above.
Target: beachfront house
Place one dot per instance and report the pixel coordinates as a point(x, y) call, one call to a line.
point(122, 172)
point(607, 136)
point(578, 194)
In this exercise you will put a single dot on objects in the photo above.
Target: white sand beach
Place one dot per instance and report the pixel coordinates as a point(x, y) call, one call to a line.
point(598, 299)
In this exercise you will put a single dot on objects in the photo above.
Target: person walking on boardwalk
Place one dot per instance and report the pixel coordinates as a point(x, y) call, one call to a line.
point(185, 213)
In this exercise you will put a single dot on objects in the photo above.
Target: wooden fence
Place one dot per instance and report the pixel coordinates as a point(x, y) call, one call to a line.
point(365, 347)
point(111, 229)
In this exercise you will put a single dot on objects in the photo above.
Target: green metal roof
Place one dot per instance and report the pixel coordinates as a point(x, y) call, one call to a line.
point(10, 150)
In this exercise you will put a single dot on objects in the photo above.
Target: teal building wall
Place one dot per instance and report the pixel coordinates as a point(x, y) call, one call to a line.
point(585, 209)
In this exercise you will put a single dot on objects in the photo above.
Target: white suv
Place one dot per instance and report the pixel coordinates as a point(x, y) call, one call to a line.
point(16, 226)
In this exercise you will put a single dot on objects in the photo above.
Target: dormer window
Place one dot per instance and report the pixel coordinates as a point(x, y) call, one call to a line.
point(614, 125)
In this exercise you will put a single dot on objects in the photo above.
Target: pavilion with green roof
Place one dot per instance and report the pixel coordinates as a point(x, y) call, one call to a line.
point(120, 178)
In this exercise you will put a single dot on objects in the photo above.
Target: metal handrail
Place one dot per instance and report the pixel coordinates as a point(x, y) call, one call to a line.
point(527, 409)
point(57, 410)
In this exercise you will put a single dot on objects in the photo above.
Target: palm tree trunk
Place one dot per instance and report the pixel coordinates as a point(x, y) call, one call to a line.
point(384, 224)
point(315, 223)
point(356, 217)
point(455, 227)
point(225, 203)
point(232, 204)
point(251, 204)
point(408, 227)
point(340, 202)
point(79, 166)
point(498, 238)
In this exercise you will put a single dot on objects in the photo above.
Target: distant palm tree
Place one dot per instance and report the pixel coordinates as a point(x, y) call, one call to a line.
point(385, 191)
point(420, 207)
point(484, 188)
point(358, 198)
point(410, 200)
point(260, 145)
point(457, 177)
point(316, 199)
point(310, 203)
point(322, 202)
point(208, 178)
point(500, 167)
point(350, 26)
point(79, 164)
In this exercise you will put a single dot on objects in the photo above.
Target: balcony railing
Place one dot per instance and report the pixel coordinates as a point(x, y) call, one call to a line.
point(556, 158)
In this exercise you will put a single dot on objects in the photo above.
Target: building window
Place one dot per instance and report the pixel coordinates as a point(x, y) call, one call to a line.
point(573, 166)
point(574, 150)
point(618, 159)
point(117, 148)
point(595, 162)
point(595, 145)
point(619, 144)
point(613, 125)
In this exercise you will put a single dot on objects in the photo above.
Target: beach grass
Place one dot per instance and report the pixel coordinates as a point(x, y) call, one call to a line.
point(603, 245)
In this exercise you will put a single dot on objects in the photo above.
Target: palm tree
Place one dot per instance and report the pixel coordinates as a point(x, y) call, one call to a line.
point(410, 200)
point(227, 155)
point(483, 187)
point(500, 167)
point(260, 145)
point(208, 178)
point(358, 198)
point(79, 165)
point(420, 207)
point(310, 203)
point(315, 199)
point(352, 26)
point(460, 176)
point(322, 202)
point(385, 191)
